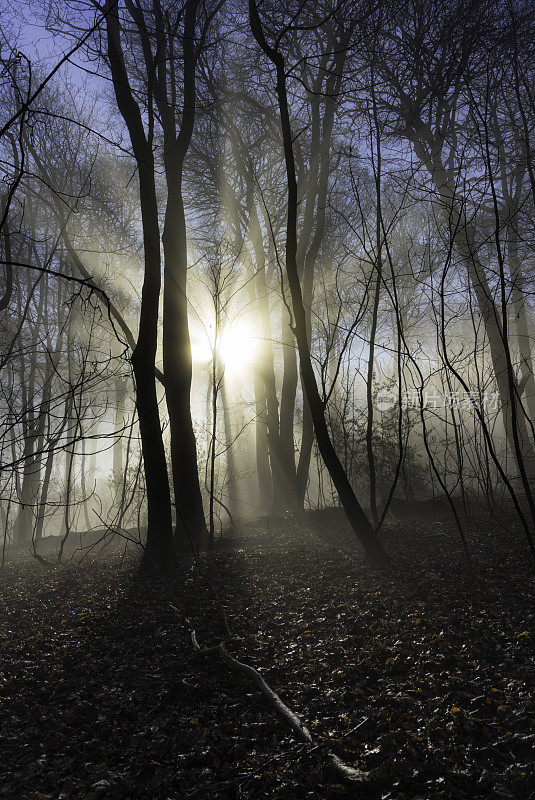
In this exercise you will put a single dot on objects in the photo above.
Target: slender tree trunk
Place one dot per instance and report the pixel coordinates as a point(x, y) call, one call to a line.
point(278, 481)
point(355, 514)
point(518, 297)
point(464, 235)
point(313, 228)
point(120, 417)
point(49, 463)
point(214, 384)
point(261, 365)
point(288, 485)
point(29, 490)
point(263, 467)
point(33, 425)
point(375, 314)
point(232, 484)
point(307, 433)
point(83, 485)
point(43, 497)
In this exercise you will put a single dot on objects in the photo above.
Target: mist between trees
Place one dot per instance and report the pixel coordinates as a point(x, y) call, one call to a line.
point(259, 259)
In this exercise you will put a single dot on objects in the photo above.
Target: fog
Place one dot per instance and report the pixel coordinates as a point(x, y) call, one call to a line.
point(262, 261)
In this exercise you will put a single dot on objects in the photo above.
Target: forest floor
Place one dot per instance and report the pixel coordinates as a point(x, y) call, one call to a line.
point(422, 676)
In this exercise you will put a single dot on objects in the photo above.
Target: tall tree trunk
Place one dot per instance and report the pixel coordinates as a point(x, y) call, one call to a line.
point(288, 487)
point(277, 488)
point(83, 484)
point(190, 521)
point(214, 391)
point(464, 236)
point(518, 297)
point(120, 417)
point(313, 227)
point(375, 313)
point(49, 463)
point(159, 551)
point(258, 300)
point(33, 429)
point(232, 483)
point(43, 497)
point(263, 467)
point(280, 418)
point(356, 516)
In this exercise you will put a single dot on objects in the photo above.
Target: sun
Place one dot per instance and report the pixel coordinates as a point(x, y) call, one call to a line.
point(238, 346)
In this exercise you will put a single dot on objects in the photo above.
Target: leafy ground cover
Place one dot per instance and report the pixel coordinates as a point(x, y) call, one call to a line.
point(422, 676)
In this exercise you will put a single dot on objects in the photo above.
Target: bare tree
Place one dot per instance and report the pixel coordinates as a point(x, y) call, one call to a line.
point(356, 516)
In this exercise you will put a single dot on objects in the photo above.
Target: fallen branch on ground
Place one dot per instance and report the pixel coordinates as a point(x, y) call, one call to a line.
point(300, 729)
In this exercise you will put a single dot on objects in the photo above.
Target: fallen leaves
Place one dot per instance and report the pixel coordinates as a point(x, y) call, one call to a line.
point(423, 675)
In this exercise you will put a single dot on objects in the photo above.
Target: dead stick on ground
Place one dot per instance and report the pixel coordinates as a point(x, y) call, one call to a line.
point(299, 728)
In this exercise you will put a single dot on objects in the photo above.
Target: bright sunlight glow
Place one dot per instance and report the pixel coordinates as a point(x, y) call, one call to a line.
point(237, 346)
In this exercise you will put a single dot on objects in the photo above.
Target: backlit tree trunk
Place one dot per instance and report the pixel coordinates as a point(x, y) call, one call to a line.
point(159, 552)
point(356, 516)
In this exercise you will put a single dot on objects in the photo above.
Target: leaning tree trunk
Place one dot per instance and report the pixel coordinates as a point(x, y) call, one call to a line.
point(463, 232)
point(356, 515)
point(313, 228)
